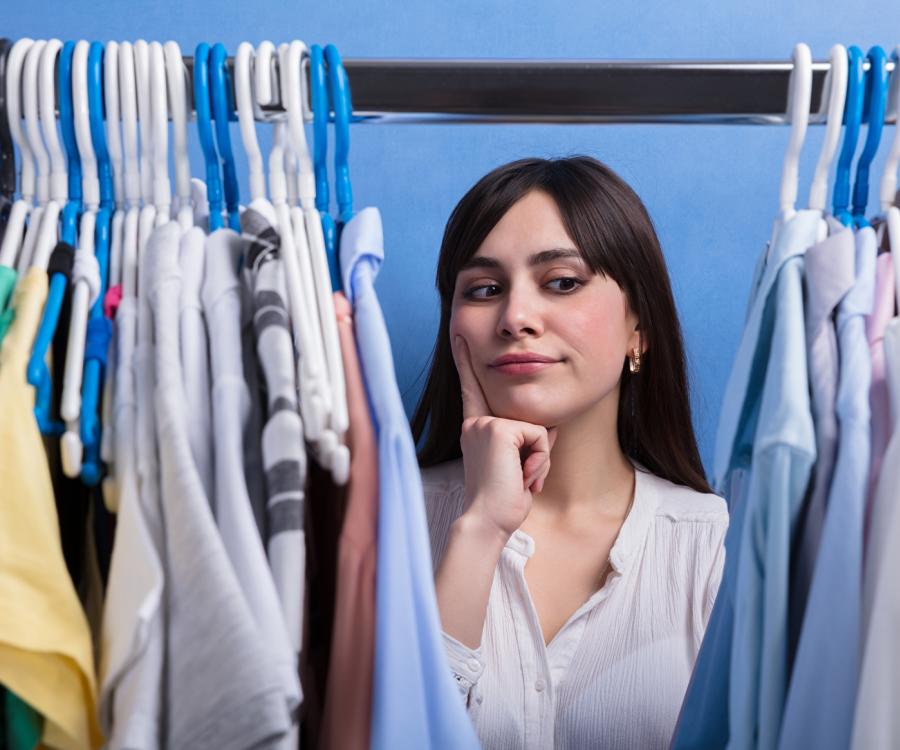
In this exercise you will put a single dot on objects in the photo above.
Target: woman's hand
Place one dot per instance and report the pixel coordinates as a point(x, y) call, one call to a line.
point(504, 459)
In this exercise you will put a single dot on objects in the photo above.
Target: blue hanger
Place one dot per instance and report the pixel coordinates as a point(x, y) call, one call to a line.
point(339, 88)
point(37, 372)
point(320, 161)
point(876, 96)
point(99, 327)
point(853, 114)
point(204, 130)
point(223, 110)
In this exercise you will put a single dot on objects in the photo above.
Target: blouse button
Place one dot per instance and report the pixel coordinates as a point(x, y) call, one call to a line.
point(539, 685)
point(479, 699)
point(473, 665)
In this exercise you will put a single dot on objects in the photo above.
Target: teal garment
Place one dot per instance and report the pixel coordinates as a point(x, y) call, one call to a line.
point(23, 724)
point(8, 278)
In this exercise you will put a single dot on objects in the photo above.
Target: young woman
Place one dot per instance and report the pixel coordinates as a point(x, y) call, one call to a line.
point(577, 546)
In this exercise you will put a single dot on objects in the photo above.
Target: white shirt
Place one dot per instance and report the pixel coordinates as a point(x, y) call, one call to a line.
point(615, 674)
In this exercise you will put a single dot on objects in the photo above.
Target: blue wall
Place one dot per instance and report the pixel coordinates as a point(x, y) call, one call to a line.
point(711, 190)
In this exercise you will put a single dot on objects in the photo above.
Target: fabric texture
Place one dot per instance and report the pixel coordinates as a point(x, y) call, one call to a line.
point(415, 701)
point(626, 652)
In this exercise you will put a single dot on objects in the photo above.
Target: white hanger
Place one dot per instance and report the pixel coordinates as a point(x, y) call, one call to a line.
point(142, 88)
point(48, 233)
point(15, 225)
point(38, 151)
point(315, 267)
point(128, 99)
point(70, 408)
point(247, 121)
point(799, 96)
point(313, 392)
point(114, 146)
point(178, 103)
point(836, 86)
point(159, 113)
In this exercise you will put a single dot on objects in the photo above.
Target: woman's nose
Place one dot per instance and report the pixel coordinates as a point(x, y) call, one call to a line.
point(520, 316)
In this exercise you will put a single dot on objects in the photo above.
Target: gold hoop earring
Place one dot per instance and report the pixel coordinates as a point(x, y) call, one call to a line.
point(634, 361)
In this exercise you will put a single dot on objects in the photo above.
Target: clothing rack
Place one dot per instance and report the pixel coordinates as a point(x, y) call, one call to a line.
point(573, 91)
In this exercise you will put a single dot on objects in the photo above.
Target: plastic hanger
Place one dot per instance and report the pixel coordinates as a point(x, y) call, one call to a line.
point(7, 154)
point(204, 130)
point(114, 276)
point(128, 102)
point(99, 327)
point(30, 97)
point(223, 110)
point(247, 122)
point(836, 84)
point(889, 179)
point(313, 403)
point(320, 150)
point(179, 106)
point(853, 113)
point(159, 124)
point(37, 372)
point(15, 226)
point(876, 96)
point(799, 96)
point(46, 238)
point(71, 446)
point(339, 457)
point(148, 216)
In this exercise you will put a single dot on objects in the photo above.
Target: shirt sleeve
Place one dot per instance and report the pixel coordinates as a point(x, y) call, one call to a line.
point(466, 665)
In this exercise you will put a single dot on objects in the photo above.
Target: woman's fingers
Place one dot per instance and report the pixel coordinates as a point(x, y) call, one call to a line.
point(473, 400)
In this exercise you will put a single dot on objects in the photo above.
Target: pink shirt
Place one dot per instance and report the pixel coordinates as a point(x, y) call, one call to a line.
point(348, 700)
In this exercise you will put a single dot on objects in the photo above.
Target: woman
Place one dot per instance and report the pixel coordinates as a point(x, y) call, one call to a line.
point(577, 546)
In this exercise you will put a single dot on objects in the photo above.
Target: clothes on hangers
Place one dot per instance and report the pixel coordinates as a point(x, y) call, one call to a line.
point(415, 701)
point(829, 273)
point(45, 660)
point(347, 713)
point(281, 439)
point(765, 449)
point(221, 303)
point(224, 688)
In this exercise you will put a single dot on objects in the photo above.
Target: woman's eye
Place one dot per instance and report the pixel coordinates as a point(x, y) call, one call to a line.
point(569, 283)
point(476, 291)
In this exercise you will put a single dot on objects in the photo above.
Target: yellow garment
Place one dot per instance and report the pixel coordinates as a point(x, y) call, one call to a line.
point(45, 643)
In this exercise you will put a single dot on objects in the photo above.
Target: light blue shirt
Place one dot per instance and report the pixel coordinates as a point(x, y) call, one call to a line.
point(415, 701)
point(765, 449)
point(822, 697)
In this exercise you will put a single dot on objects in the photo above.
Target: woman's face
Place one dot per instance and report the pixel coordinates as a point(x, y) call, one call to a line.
point(527, 291)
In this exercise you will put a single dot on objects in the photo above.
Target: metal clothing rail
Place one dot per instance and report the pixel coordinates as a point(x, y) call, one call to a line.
point(572, 91)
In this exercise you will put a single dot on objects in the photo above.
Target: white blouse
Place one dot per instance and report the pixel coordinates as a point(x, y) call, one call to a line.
point(615, 674)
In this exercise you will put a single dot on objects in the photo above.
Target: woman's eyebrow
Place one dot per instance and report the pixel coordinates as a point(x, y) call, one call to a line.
point(536, 259)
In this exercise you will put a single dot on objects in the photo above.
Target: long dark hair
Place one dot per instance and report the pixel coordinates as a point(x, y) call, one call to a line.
point(611, 227)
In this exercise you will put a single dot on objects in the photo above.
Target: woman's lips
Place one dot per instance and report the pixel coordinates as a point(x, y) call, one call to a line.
point(523, 368)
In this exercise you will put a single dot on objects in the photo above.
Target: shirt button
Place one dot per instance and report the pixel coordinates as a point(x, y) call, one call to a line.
point(539, 685)
point(473, 665)
point(479, 699)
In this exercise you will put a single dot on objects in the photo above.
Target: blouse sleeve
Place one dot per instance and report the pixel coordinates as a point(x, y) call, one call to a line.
point(717, 565)
point(443, 504)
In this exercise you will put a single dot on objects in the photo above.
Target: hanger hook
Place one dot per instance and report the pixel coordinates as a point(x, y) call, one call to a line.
point(113, 131)
point(836, 84)
point(223, 109)
point(876, 95)
point(853, 113)
point(98, 124)
point(32, 120)
point(799, 96)
point(243, 61)
point(58, 181)
point(204, 130)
